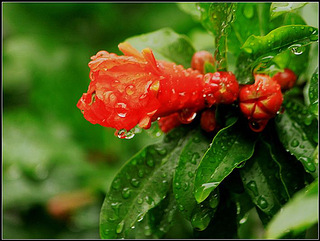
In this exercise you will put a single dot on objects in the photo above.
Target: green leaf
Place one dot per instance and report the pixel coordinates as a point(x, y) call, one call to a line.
point(216, 18)
point(252, 16)
point(183, 180)
point(289, 36)
point(297, 215)
point(291, 173)
point(190, 8)
point(260, 51)
point(141, 184)
point(230, 147)
point(261, 180)
point(224, 223)
point(298, 132)
point(166, 45)
point(157, 221)
point(313, 93)
point(277, 9)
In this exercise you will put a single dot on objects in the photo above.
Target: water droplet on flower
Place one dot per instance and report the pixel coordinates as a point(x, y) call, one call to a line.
point(130, 89)
point(124, 134)
point(121, 109)
point(126, 193)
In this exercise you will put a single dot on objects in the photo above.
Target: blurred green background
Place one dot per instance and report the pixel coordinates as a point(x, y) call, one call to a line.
point(56, 165)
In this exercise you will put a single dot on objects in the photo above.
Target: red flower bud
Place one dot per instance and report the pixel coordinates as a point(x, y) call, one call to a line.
point(137, 89)
point(285, 79)
point(169, 122)
point(260, 101)
point(199, 58)
point(208, 120)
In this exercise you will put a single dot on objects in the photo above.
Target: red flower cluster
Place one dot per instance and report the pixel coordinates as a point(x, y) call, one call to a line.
point(135, 88)
point(260, 101)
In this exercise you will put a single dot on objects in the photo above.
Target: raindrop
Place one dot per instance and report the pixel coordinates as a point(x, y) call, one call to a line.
point(185, 186)
point(190, 174)
point(130, 89)
point(116, 184)
point(124, 134)
point(121, 109)
point(181, 208)
point(150, 162)
point(135, 182)
point(262, 202)
point(161, 150)
point(294, 143)
point(149, 200)
point(120, 227)
point(297, 49)
point(177, 185)
point(139, 200)
point(253, 187)
point(308, 164)
point(126, 193)
point(308, 120)
point(195, 157)
point(115, 207)
point(141, 173)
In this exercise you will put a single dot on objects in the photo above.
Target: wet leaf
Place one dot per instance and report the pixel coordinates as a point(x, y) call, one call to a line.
point(297, 215)
point(297, 131)
point(261, 180)
point(140, 185)
point(183, 182)
point(166, 45)
point(216, 18)
point(313, 93)
point(278, 8)
point(230, 147)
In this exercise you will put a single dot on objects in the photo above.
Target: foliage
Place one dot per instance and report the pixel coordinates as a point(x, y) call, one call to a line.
point(225, 184)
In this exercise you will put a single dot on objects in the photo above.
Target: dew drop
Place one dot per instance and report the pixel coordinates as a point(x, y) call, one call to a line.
point(130, 89)
point(262, 202)
point(141, 173)
point(139, 200)
point(124, 134)
point(120, 227)
point(297, 49)
point(308, 120)
point(185, 186)
point(253, 187)
point(126, 193)
point(135, 182)
point(294, 143)
point(190, 174)
point(177, 185)
point(116, 184)
point(181, 207)
point(121, 109)
point(149, 200)
point(308, 164)
point(195, 157)
point(150, 163)
point(161, 150)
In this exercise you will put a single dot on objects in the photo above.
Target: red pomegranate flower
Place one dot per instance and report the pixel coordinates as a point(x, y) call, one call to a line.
point(260, 101)
point(199, 59)
point(135, 88)
point(285, 79)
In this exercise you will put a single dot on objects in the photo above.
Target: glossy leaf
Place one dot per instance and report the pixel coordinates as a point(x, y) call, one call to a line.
point(289, 36)
point(313, 93)
point(183, 180)
point(224, 223)
point(157, 221)
point(291, 173)
point(140, 185)
point(191, 9)
point(216, 17)
point(261, 180)
point(230, 147)
point(260, 51)
point(166, 45)
point(278, 8)
point(297, 215)
point(252, 16)
point(298, 132)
